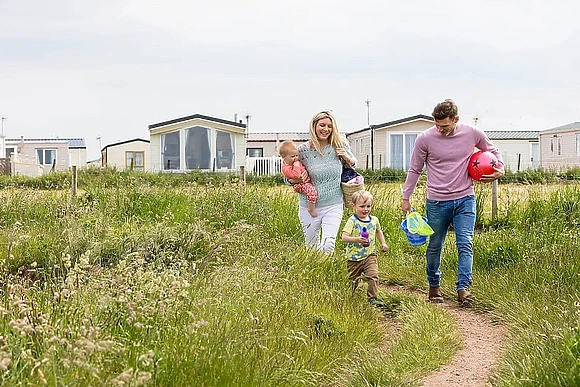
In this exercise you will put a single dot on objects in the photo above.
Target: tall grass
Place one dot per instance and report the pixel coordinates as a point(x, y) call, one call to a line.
point(146, 279)
point(534, 283)
point(167, 285)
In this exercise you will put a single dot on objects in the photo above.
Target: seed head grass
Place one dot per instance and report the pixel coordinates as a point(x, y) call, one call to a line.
point(145, 279)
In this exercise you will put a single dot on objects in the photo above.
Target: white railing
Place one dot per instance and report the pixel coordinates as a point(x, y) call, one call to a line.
point(25, 168)
point(263, 165)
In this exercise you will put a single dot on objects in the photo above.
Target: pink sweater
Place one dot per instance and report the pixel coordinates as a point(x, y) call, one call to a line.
point(446, 159)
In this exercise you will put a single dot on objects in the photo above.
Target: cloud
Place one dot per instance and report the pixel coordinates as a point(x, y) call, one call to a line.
point(110, 68)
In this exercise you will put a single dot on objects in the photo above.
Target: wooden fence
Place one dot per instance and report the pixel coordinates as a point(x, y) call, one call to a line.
point(5, 166)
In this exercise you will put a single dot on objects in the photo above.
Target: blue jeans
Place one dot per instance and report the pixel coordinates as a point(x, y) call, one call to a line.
point(440, 215)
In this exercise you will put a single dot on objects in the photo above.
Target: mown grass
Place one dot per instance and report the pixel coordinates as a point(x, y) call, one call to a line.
point(145, 281)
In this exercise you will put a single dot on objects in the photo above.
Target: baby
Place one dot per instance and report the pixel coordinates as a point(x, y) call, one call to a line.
point(292, 168)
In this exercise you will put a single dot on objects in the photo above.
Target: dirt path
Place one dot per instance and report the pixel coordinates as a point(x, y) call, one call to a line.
point(483, 341)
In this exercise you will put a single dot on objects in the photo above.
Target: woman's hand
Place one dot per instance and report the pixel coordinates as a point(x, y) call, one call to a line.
point(341, 153)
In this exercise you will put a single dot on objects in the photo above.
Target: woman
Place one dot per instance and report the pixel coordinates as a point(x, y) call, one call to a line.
point(323, 156)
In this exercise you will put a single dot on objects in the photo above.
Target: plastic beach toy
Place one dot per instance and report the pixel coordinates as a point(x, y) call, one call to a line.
point(481, 163)
point(414, 239)
point(417, 224)
point(416, 228)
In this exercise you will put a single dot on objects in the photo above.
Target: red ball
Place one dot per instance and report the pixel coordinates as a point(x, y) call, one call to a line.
point(481, 163)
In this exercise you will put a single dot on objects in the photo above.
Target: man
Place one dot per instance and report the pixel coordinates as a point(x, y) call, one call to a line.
point(444, 150)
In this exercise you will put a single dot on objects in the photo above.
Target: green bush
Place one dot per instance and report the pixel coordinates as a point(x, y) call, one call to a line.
point(111, 177)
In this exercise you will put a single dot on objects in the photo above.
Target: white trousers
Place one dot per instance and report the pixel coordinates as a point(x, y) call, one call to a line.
point(320, 232)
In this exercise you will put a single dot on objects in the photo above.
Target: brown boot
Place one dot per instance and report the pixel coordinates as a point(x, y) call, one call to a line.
point(464, 298)
point(435, 295)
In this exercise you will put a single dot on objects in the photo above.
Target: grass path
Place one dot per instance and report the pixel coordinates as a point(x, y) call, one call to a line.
point(483, 339)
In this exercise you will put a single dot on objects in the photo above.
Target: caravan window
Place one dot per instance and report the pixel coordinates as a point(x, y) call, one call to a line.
point(45, 156)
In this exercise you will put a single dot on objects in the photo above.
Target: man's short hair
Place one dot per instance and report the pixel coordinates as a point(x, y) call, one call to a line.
point(445, 109)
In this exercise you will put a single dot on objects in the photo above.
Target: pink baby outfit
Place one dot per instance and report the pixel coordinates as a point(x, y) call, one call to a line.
point(295, 171)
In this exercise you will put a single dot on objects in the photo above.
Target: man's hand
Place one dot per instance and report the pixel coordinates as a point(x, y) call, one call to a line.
point(406, 206)
point(494, 176)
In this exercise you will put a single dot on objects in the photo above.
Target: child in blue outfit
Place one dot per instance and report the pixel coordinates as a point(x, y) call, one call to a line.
point(360, 251)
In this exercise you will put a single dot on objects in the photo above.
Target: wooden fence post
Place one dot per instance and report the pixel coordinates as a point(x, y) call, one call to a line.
point(493, 199)
point(243, 174)
point(74, 181)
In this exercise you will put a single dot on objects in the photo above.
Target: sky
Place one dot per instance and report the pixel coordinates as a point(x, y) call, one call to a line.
point(107, 69)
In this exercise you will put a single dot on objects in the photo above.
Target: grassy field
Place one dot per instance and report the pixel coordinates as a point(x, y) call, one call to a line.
point(138, 281)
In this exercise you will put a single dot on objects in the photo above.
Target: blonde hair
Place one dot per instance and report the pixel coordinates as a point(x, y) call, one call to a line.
point(364, 195)
point(335, 139)
point(285, 147)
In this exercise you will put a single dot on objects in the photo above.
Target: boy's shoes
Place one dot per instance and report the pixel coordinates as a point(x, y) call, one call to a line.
point(391, 308)
point(376, 302)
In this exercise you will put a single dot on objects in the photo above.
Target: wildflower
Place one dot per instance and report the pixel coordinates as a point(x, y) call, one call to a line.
point(22, 306)
point(147, 358)
point(66, 260)
point(84, 259)
point(94, 371)
point(23, 326)
point(105, 345)
point(26, 354)
point(5, 360)
point(41, 376)
point(142, 378)
point(124, 378)
point(87, 345)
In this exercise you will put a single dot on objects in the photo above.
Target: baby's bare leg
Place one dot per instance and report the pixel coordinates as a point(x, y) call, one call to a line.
point(312, 209)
